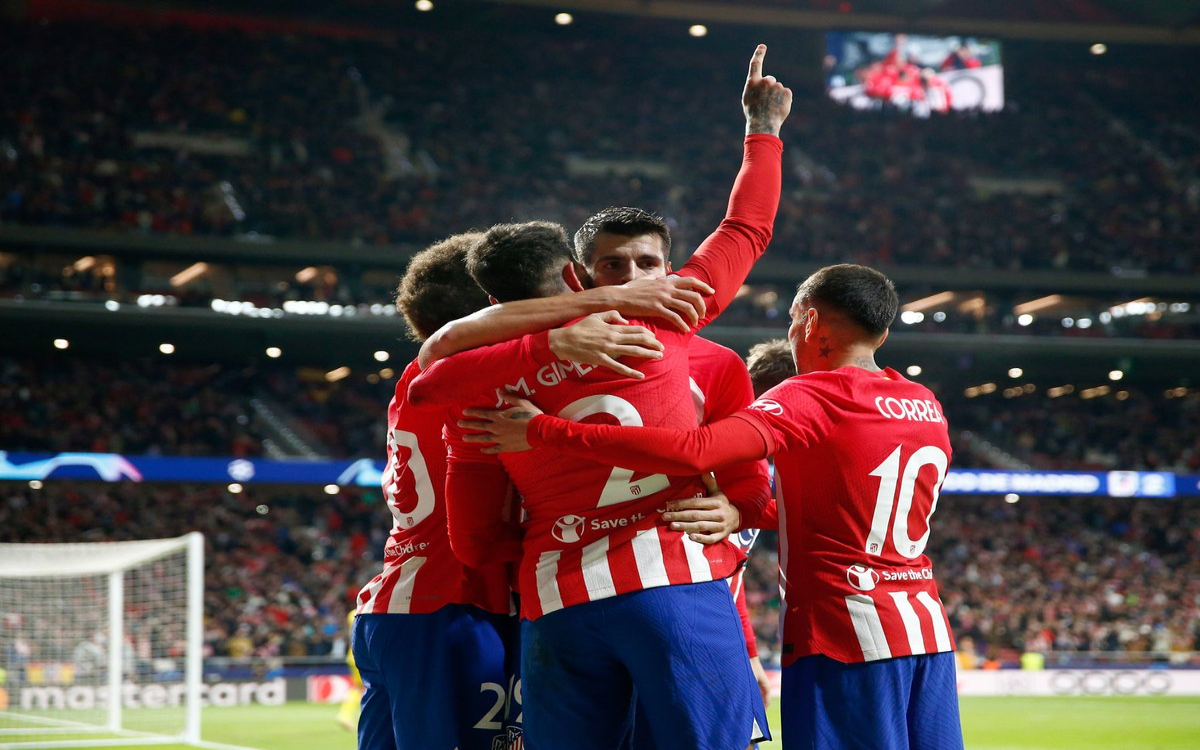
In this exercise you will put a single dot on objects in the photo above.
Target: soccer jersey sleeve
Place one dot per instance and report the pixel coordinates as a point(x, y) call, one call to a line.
point(725, 258)
point(747, 484)
point(480, 517)
point(744, 616)
point(468, 374)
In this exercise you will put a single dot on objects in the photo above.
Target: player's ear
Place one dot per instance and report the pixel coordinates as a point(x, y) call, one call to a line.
point(883, 338)
point(810, 325)
point(576, 277)
point(493, 300)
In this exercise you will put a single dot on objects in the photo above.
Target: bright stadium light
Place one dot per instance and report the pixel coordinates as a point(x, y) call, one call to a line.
point(234, 488)
point(908, 317)
point(381, 356)
point(698, 30)
point(564, 19)
point(1015, 372)
point(1115, 375)
point(166, 348)
point(424, 5)
point(332, 489)
point(262, 510)
point(913, 370)
point(1099, 48)
point(112, 305)
point(1011, 498)
point(1025, 320)
point(35, 484)
point(274, 352)
point(61, 343)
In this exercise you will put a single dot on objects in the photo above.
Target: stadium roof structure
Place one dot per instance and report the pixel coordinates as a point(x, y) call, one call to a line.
point(1167, 22)
point(1129, 21)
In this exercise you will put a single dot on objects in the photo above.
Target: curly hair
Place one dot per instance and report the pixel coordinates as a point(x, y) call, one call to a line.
point(436, 287)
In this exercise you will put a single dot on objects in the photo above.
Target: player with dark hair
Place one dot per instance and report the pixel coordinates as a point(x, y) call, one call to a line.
point(429, 635)
point(769, 364)
point(598, 244)
point(607, 586)
point(860, 456)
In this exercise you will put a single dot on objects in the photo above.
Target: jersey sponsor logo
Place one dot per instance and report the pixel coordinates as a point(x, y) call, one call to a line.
point(862, 578)
point(914, 410)
point(404, 549)
point(923, 574)
point(770, 406)
point(568, 529)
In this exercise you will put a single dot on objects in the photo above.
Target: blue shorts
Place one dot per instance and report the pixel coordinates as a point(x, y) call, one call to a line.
point(432, 680)
point(681, 648)
point(906, 703)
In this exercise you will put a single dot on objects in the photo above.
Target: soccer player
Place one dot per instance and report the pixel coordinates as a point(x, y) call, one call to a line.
point(860, 454)
point(620, 245)
point(429, 635)
point(613, 598)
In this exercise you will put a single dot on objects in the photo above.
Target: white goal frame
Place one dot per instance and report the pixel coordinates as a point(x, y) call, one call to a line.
point(113, 559)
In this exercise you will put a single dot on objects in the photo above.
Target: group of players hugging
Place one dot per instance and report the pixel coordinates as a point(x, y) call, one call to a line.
point(562, 571)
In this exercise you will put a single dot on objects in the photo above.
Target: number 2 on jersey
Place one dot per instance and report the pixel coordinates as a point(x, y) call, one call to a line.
point(620, 487)
point(890, 475)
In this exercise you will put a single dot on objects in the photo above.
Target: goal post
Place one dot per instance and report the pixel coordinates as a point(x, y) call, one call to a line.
point(101, 644)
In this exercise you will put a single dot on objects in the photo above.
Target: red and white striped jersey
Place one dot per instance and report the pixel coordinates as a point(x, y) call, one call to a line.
point(593, 530)
point(420, 572)
point(860, 458)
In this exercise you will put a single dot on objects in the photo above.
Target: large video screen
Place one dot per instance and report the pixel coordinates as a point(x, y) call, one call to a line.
point(922, 75)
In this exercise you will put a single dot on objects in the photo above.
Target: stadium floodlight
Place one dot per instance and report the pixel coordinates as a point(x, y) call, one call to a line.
point(112, 638)
point(61, 343)
point(698, 30)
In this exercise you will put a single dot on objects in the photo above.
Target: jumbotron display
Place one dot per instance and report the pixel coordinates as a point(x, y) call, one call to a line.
point(922, 75)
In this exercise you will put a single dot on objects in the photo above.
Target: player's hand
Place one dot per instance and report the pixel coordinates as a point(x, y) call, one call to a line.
point(706, 520)
point(600, 338)
point(679, 299)
point(760, 676)
point(765, 101)
point(504, 430)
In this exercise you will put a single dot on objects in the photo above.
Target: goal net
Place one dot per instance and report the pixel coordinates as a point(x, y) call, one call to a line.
point(100, 644)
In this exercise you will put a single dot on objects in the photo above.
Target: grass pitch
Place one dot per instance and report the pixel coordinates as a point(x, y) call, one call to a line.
point(988, 724)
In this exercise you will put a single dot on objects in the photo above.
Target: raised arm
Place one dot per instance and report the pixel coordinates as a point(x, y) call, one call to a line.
point(725, 258)
point(679, 300)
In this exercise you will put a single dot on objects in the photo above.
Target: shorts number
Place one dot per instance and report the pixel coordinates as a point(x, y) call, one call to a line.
point(489, 720)
point(420, 475)
point(887, 500)
point(620, 487)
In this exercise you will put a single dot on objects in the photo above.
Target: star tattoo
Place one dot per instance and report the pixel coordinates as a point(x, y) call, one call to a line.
point(825, 351)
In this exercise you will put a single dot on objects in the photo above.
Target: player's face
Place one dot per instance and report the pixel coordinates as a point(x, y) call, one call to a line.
point(618, 260)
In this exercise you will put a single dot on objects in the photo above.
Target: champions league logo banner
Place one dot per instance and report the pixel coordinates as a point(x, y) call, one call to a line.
point(365, 472)
point(920, 75)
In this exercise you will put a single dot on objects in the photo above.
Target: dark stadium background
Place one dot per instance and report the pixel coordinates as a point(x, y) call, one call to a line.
point(302, 151)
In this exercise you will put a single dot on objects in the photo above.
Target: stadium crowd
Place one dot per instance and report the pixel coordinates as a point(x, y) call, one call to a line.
point(392, 155)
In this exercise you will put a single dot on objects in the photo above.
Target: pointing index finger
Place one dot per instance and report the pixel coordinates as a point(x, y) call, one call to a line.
point(756, 63)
